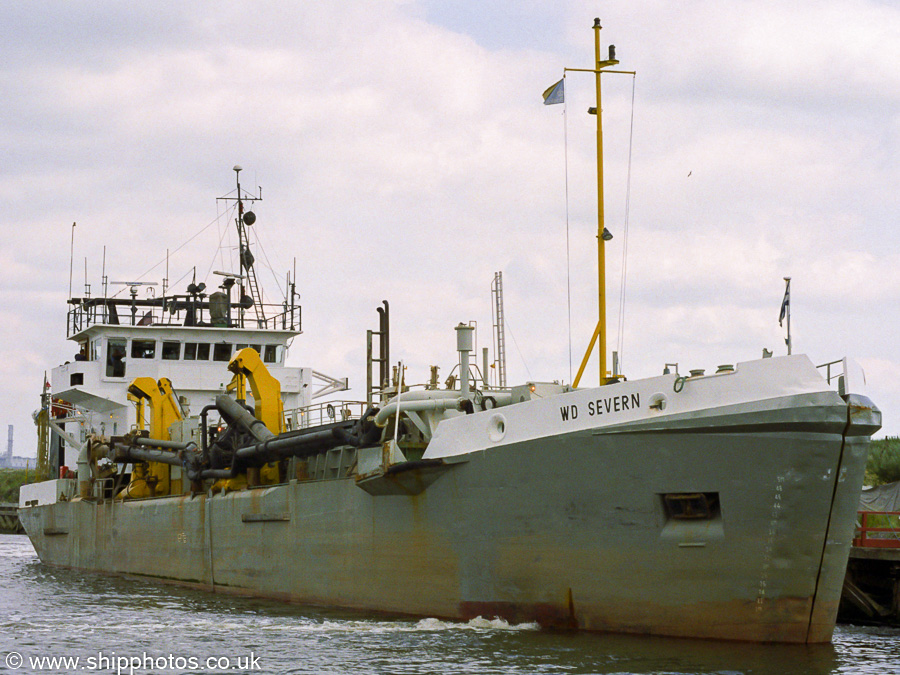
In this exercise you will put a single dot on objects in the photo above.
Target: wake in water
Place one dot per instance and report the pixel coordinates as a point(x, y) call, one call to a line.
point(478, 623)
point(52, 612)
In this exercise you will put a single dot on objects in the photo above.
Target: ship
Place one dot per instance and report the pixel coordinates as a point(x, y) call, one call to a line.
point(713, 505)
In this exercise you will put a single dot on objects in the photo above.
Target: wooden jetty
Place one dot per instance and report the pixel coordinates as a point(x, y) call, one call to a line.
point(872, 584)
point(9, 519)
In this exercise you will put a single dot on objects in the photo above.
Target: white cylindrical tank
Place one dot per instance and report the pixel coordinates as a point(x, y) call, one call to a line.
point(464, 346)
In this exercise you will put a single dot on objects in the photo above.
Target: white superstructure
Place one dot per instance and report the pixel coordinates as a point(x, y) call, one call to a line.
point(186, 336)
point(193, 358)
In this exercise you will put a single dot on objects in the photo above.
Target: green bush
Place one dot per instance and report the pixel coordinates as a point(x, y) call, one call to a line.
point(884, 461)
point(10, 480)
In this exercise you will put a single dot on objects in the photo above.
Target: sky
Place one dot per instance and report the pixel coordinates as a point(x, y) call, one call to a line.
point(404, 154)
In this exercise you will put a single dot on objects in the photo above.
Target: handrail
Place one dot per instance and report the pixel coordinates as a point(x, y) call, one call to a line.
point(827, 366)
point(889, 537)
point(85, 315)
point(323, 413)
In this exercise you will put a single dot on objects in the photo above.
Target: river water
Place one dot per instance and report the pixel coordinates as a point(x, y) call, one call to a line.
point(119, 625)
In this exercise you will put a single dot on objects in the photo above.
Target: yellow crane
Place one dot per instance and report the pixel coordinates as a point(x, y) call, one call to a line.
point(247, 366)
point(153, 479)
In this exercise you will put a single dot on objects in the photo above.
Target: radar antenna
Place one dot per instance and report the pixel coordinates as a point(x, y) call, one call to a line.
point(133, 289)
point(251, 296)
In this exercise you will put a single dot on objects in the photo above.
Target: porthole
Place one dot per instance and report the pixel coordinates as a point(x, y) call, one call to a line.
point(496, 427)
point(658, 402)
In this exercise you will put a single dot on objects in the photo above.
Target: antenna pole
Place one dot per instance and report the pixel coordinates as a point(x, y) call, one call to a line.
point(103, 283)
point(248, 280)
point(240, 226)
point(71, 258)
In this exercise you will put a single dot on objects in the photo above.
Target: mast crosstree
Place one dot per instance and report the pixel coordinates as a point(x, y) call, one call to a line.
point(251, 296)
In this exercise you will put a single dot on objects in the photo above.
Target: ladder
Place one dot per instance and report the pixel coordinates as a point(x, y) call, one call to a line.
point(499, 330)
point(249, 271)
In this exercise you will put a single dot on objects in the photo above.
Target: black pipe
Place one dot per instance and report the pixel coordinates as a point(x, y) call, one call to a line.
point(167, 445)
point(296, 444)
point(364, 432)
point(236, 415)
point(187, 456)
point(384, 344)
point(204, 432)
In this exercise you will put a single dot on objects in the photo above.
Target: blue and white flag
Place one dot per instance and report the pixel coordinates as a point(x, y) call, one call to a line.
point(556, 93)
point(786, 303)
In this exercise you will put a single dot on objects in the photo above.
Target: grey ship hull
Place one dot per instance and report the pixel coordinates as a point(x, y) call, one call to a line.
point(569, 530)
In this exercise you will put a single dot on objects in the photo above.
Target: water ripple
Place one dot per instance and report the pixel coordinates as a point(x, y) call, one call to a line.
point(52, 612)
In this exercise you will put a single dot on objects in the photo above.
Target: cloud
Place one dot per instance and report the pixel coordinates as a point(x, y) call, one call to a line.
point(404, 154)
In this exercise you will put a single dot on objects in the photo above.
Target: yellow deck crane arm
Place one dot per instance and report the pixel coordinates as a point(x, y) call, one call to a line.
point(265, 388)
point(159, 397)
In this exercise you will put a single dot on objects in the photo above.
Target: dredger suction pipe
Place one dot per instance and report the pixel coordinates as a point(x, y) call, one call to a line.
point(133, 453)
point(168, 445)
point(381, 419)
point(235, 414)
point(297, 445)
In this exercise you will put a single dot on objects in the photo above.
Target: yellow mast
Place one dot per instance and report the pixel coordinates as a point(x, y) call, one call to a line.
point(42, 467)
point(603, 234)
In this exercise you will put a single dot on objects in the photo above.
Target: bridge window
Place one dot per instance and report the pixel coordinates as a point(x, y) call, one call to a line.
point(115, 357)
point(273, 354)
point(221, 351)
point(171, 351)
point(196, 351)
point(143, 349)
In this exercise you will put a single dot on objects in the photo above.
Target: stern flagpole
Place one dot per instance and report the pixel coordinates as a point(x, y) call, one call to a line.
point(786, 312)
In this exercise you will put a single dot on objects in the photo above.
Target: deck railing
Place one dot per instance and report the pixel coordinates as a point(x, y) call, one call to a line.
point(323, 413)
point(877, 529)
point(98, 312)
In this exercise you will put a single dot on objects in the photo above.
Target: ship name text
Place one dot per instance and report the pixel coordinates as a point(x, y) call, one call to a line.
point(602, 406)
